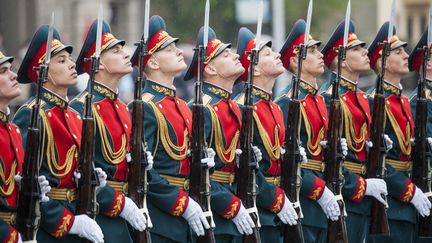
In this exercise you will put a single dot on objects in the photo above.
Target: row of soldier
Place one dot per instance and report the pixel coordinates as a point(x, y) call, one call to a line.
point(177, 217)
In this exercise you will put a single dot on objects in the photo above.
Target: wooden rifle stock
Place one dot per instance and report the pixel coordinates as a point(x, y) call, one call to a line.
point(422, 151)
point(199, 172)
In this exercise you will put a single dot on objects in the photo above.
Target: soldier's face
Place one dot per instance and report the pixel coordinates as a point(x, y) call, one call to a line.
point(357, 59)
point(170, 60)
point(314, 63)
point(9, 87)
point(62, 71)
point(397, 62)
point(269, 63)
point(227, 65)
point(116, 61)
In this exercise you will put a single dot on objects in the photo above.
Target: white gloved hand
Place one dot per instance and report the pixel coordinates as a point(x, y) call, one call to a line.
point(243, 221)
point(282, 150)
point(344, 146)
point(133, 215)
point(288, 214)
point(19, 238)
point(388, 142)
point(421, 202)
point(376, 188)
point(102, 176)
point(329, 204)
point(238, 152)
point(77, 177)
point(303, 155)
point(195, 217)
point(257, 152)
point(85, 227)
point(323, 143)
point(369, 144)
point(44, 187)
point(149, 160)
point(429, 140)
point(128, 157)
point(209, 160)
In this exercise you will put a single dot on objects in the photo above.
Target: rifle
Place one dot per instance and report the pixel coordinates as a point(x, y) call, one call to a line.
point(87, 203)
point(422, 151)
point(376, 156)
point(28, 211)
point(137, 173)
point(199, 173)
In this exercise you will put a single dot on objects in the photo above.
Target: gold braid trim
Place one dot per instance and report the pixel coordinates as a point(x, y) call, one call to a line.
point(169, 146)
point(404, 141)
point(312, 147)
point(350, 131)
point(219, 144)
point(10, 181)
point(62, 230)
point(272, 151)
point(111, 156)
point(13, 237)
point(71, 154)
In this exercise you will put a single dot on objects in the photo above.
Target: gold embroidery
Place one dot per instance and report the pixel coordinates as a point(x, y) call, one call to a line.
point(307, 87)
point(361, 189)
point(13, 237)
point(403, 139)
point(277, 207)
point(117, 206)
point(105, 92)
point(180, 207)
point(10, 181)
point(166, 91)
point(230, 214)
point(223, 93)
point(260, 93)
point(3, 117)
point(391, 88)
point(347, 84)
point(272, 150)
point(55, 99)
point(315, 193)
point(314, 149)
point(350, 131)
point(409, 193)
point(62, 230)
point(218, 45)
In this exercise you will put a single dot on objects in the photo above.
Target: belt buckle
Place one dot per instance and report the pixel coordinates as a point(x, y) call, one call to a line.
point(12, 218)
point(231, 178)
point(186, 184)
point(409, 166)
point(322, 166)
point(125, 188)
point(363, 169)
point(276, 181)
point(70, 195)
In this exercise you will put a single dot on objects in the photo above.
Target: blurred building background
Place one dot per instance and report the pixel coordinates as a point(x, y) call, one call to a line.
point(20, 18)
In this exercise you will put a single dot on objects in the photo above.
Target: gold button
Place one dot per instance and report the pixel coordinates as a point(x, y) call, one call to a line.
point(18, 131)
point(9, 128)
point(304, 104)
point(216, 108)
point(187, 121)
point(388, 102)
point(402, 101)
point(255, 107)
point(364, 96)
point(126, 126)
point(74, 136)
point(324, 118)
point(116, 106)
point(344, 98)
point(98, 107)
point(16, 149)
point(78, 117)
point(160, 106)
point(49, 114)
point(271, 107)
point(67, 115)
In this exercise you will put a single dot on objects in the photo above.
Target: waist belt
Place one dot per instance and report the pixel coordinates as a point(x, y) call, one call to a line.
point(398, 165)
point(316, 165)
point(8, 217)
point(223, 177)
point(355, 167)
point(275, 180)
point(63, 194)
point(120, 186)
point(177, 181)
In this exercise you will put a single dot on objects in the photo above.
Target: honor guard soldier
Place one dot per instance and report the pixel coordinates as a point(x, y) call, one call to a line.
point(356, 121)
point(269, 134)
point(60, 132)
point(415, 64)
point(112, 133)
point(167, 125)
point(317, 201)
point(222, 67)
point(404, 197)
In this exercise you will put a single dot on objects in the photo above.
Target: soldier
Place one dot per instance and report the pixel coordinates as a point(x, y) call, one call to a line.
point(112, 133)
point(356, 121)
point(318, 202)
point(274, 206)
point(222, 132)
point(168, 123)
point(60, 141)
point(404, 197)
point(415, 64)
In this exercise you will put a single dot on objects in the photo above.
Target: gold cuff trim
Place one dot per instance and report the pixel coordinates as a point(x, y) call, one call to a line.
point(120, 186)
point(404, 166)
point(177, 181)
point(275, 180)
point(8, 217)
point(63, 194)
point(316, 165)
point(223, 177)
point(355, 167)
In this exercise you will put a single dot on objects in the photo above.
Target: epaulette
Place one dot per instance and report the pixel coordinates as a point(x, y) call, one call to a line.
point(147, 97)
point(328, 90)
point(372, 94)
point(81, 98)
point(206, 99)
point(240, 99)
point(30, 104)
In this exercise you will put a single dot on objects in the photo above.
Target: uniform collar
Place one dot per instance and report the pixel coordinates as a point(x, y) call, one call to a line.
point(389, 87)
point(348, 84)
point(217, 91)
point(307, 87)
point(53, 98)
point(260, 93)
point(4, 117)
point(105, 91)
point(162, 89)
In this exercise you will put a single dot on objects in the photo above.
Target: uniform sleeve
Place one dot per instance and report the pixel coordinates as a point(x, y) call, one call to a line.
point(166, 197)
point(269, 196)
point(312, 186)
point(399, 186)
point(56, 218)
point(8, 233)
point(355, 186)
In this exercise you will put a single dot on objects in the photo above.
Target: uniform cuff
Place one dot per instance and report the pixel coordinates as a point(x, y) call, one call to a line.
point(360, 190)
point(317, 189)
point(181, 203)
point(279, 201)
point(408, 192)
point(63, 225)
point(117, 205)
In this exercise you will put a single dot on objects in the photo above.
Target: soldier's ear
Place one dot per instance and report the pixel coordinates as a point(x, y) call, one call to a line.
point(210, 70)
point(153, 63)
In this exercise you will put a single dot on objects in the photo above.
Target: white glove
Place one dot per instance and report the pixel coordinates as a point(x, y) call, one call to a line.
point(329, 204)
point(282, 150)
point(44, 187)
point(288, 214)
point(209, 160)
point(343, 144)
point(85, 227)
point(238, 152)
point(376, 188)
point(149, 159)
point(388, 142)
point(102, 176)
point(195, 217)
point(243, 221)
point(421, 202)
point(77, 177)
point(257, 152)
point(303, 155)
point(133, 215)
point(369, 144)
point(429, 139)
